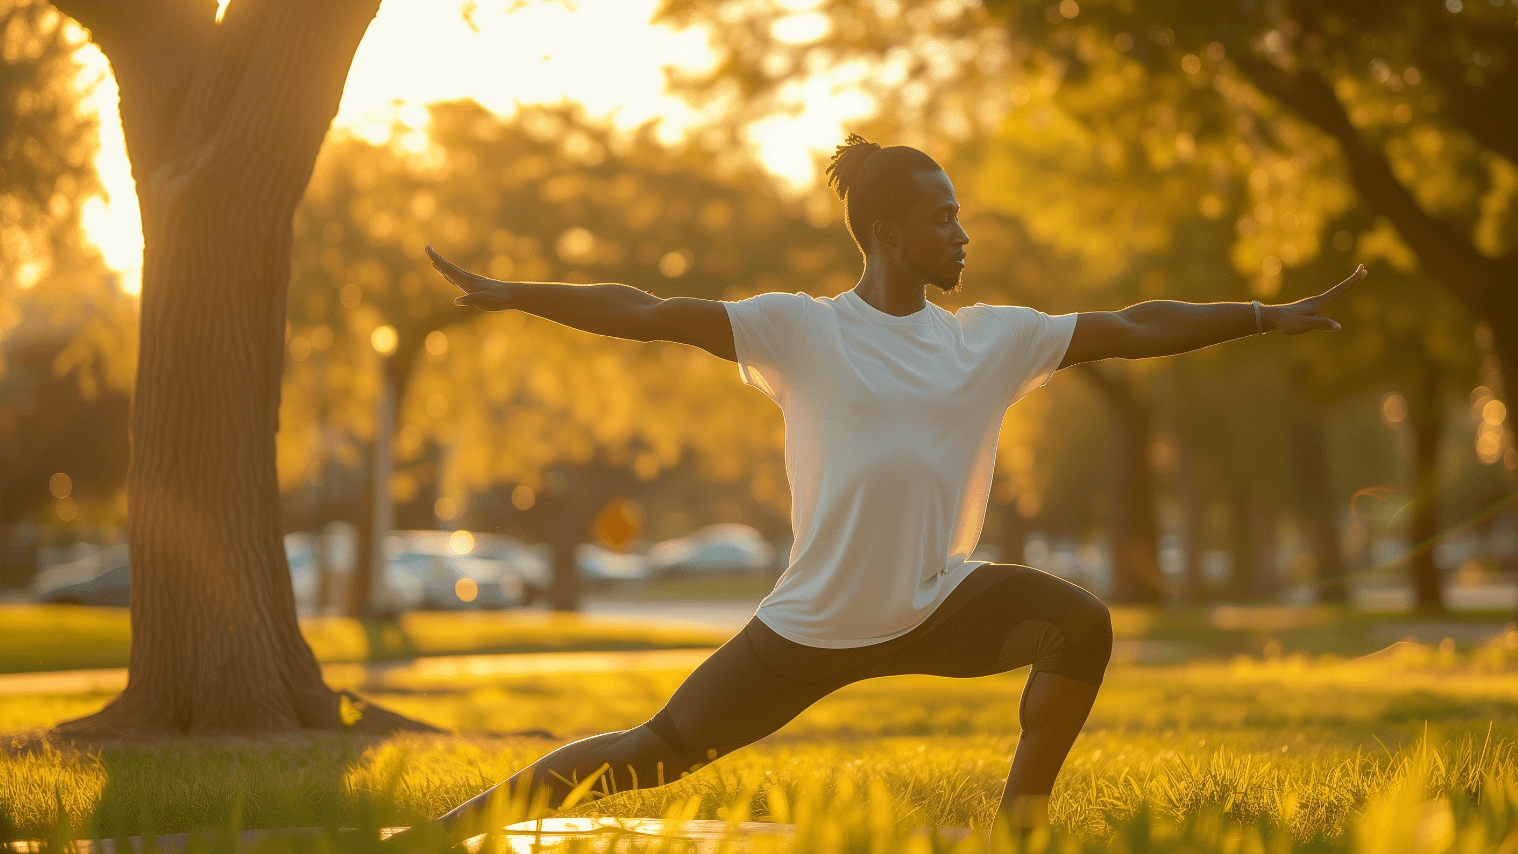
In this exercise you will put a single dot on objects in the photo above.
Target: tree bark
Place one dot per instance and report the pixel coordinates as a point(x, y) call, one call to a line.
point(223, 121)
point(1426, 421)
point(1135, 542)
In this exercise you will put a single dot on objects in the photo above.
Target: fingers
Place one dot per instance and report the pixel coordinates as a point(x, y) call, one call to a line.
point(1309, 323)
point(1334, 292)
point(451, 271)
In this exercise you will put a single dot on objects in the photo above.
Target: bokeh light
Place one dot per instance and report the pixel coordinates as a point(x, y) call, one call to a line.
point(462, 542)
point(383, 339)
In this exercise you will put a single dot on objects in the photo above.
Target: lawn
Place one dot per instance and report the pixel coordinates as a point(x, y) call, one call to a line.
point(1206, 755)
point(65, 637)
point(58, 637)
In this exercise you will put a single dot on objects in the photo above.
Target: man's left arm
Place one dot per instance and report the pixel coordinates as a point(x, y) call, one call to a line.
point(1167, 327)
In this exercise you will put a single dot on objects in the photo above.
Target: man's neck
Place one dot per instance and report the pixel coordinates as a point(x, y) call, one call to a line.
point(893, 291)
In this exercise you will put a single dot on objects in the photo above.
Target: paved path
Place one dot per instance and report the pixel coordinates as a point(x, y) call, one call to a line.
point(376, 675)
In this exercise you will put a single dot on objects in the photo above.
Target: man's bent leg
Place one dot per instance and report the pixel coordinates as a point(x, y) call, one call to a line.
point(1069, 660)
point(1053, 710)
point(1019, 616)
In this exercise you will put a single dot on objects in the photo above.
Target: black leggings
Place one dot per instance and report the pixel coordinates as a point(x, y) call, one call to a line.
point(1000, 617)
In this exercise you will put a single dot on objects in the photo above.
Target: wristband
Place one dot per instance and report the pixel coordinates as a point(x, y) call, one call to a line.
point(1259, 324)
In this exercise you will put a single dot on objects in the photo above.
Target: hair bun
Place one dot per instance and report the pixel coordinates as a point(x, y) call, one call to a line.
point(847, 161)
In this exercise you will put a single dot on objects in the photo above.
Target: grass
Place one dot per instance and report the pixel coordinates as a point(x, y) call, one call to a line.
point(1286, 748)
point(64, 637)
point(1415, 748)
point(58, 637)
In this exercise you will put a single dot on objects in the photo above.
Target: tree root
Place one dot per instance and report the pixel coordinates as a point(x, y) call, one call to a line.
point(128, 718)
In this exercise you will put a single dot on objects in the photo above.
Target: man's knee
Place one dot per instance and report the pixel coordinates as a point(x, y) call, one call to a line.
point(1088, 639)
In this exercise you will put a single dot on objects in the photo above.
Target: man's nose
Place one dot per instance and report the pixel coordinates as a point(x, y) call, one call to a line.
point(961, 237)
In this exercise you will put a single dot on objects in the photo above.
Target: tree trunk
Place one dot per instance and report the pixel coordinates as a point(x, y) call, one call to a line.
point(1241, 544)
point(374, 503)
point(1135, 543)
point(1322, 528)
point(223, 121)
point(564, 587)
point(1193, 527)
point(1426, 421)
point(215, 643)
point(358, 594)
point(1014, 531)
point(1264, 579)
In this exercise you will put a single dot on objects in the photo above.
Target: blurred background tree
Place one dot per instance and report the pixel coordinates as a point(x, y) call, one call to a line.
point(69, 346)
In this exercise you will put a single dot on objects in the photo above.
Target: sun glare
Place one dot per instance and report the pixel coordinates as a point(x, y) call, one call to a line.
point(605, 55)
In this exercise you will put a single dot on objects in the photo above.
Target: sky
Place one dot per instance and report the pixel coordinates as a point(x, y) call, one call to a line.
point(603, 54)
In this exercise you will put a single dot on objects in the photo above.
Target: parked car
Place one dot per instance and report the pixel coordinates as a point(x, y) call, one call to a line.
point(100, 579)
point(302, 571)
point(722, 549)
point(444, 582)
point(533, 564)
point(522, 570)
point(605, 568)
point(103, 579)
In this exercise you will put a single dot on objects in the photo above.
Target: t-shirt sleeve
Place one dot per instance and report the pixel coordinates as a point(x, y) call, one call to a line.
point(1035, 343)
point(765, 328)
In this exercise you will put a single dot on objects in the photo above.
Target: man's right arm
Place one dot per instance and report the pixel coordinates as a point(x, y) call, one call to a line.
point(615, 310)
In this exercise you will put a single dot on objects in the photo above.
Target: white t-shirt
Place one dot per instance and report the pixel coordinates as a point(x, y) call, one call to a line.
point(890, 440)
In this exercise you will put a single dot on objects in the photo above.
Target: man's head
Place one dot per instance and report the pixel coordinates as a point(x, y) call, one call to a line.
point(899, 205)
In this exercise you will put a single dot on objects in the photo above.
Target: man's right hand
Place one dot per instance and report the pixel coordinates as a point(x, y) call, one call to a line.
point(479, 291)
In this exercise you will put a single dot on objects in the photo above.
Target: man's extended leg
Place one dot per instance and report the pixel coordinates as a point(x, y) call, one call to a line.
point(636, 758)
point(732, 699)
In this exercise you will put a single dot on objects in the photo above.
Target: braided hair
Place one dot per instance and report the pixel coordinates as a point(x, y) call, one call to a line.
point(874, 182)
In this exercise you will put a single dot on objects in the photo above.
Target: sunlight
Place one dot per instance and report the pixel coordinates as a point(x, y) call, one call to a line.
point(504, 54)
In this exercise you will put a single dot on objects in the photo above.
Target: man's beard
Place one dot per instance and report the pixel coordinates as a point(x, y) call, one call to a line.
point(943, 283)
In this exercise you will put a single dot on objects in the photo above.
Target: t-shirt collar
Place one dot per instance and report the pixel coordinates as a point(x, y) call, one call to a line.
point(879, 316)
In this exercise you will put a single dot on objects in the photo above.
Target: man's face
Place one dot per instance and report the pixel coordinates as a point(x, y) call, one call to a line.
point(933, 242)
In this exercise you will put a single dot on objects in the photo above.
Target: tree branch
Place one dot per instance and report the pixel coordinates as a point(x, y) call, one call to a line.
point(1442, 252)
point(266, 94)
point(1484, 113)
point(154, 47)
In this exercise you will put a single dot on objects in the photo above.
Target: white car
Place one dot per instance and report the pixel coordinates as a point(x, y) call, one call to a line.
point(726, 548)
point(520, 572)
point(601, 567)
point(451, 582)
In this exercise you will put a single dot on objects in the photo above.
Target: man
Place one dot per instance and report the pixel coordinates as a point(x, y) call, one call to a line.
point(892, 408)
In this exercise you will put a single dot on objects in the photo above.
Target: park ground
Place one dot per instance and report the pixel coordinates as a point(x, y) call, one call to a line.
point(1224, 729)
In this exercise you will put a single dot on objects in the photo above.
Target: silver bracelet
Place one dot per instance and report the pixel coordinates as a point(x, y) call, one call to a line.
point(1259, 325)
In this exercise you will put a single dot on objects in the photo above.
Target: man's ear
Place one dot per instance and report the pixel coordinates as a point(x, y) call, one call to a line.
point(884, 231)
